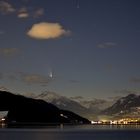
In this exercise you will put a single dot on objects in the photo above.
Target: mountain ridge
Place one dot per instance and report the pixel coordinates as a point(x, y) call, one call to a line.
point(23, 109)
point(125, 106)
point(87, 108)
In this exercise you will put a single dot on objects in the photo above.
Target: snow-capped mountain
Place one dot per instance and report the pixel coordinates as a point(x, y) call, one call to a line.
point(50, 96)
point(86, 108)
point(93, 104)
point(63, 103)
point(128, 105)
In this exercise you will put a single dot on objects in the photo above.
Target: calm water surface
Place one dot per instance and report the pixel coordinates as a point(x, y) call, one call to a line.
point(82, 132)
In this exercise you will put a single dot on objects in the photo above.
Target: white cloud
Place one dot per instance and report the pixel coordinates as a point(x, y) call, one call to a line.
point(23, 13)
point(45, 30)
point(6, 7)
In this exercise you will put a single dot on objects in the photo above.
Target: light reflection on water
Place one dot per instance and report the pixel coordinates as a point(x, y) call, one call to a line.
point(78, 132)
point(73, 127)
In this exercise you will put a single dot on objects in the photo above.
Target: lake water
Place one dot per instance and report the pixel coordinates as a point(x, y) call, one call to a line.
point(82, 132)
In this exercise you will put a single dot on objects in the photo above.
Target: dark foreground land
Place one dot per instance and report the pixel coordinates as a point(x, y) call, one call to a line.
point(23, 110)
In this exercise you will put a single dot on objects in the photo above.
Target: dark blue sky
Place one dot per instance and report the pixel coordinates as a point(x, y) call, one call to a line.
point(72, 47)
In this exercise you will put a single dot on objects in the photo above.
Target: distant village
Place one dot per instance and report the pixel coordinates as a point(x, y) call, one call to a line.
point(123, 121)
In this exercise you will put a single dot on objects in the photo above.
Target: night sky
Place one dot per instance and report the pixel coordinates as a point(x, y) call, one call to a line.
point(87, 48)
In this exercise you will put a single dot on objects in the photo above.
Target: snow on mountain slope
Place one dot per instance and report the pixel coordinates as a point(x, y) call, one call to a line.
point(80, 105)
point(124, 106)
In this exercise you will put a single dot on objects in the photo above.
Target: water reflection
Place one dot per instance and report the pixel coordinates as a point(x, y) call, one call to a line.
point(73, 132)
point(107, 127)
point(74, 127)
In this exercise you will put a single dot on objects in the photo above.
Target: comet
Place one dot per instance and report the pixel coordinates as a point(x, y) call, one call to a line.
point(51, 74)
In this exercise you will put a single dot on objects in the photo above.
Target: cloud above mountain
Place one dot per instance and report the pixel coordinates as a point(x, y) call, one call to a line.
point(34, 79)
point(127, 91)
point(135, 79)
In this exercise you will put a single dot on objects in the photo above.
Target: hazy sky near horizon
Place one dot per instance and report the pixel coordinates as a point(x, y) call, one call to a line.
point(89, 48)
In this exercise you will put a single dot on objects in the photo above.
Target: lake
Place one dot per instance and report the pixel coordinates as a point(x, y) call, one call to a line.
point(81, 132)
